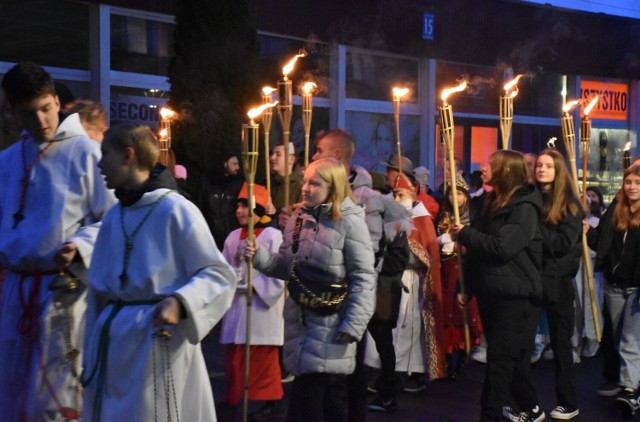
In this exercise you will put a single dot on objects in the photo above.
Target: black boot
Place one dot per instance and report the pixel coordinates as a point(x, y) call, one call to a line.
point(271, 411)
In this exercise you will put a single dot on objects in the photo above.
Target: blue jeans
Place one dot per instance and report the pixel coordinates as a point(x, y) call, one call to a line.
point(625, 317)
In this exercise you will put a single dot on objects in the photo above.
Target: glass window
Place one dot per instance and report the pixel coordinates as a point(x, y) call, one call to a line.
point(372, 77)
point(55, 33)
point(483, 144)
point(534, 138)
point(374, 135)
point(132, 105)
point(140, 45)
point(604, 168)
point(539, 95)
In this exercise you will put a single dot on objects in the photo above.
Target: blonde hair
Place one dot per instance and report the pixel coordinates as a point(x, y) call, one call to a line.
point(138, 137)
point(623, 218)
point(332, 171)
point(508, 174)
point(561, 199)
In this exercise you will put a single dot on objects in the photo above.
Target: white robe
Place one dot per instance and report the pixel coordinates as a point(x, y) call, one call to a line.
point(173, 253)
point(66, 195)
point(267, 321)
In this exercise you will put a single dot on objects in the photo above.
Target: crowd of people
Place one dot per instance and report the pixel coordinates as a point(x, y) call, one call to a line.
point(112, 277)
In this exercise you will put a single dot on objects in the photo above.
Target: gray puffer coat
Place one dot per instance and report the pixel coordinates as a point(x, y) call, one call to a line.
point(344, 249)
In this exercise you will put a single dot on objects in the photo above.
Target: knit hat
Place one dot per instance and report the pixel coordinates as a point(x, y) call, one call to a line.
point(260, 194)
point(421, 170)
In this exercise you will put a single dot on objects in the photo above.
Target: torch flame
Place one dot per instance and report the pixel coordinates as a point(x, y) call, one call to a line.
point(570, 105)
point(627, 146)
point(591, 105)
point(167, 113)
point(513, 84)
point(255, 112)
point(267, 90)
point(449, 91)
point(308, 88)
point(399, 93)
point(289, 66)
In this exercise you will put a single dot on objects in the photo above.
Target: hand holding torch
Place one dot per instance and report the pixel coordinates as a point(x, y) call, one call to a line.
point(250, 136)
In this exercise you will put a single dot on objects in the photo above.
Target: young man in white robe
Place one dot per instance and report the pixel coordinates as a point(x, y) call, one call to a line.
point(158, 285)
point(51, 195)
point(267, 321)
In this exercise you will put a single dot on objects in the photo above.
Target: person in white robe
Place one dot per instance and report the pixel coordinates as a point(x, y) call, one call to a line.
point(158, 285)
point(54, 210)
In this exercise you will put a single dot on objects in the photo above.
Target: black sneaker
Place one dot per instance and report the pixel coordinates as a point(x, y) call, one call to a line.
point(510, 413)
point(564, 412)
point(534, 415)
point(627, 402)
point(414, 385)
point(381, 405)
point(609, 389)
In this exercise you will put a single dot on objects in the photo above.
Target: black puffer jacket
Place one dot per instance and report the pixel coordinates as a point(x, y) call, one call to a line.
point(616, 254)
point(504, 249)
point(561, 252)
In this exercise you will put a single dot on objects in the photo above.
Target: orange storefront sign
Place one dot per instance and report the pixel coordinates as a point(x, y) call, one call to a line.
point(614, 99)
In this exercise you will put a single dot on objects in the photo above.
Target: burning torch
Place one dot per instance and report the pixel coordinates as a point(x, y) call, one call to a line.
point(307, 110)
point(398, 93)
point(569, 137)
point(506, 110)
point(585, 143)
point(285, 109)
point(250, 136)
point(447, 131)
point(166, 157)
point(267, 117)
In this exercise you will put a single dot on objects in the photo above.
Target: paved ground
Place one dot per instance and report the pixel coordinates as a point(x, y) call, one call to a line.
point(459, 401)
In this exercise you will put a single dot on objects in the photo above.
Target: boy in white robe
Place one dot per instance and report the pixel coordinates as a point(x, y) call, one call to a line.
point(158, 285)
point(50, 195)
point(267, 321)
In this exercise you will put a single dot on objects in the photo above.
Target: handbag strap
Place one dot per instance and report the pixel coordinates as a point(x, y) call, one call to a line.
point(296, 235)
